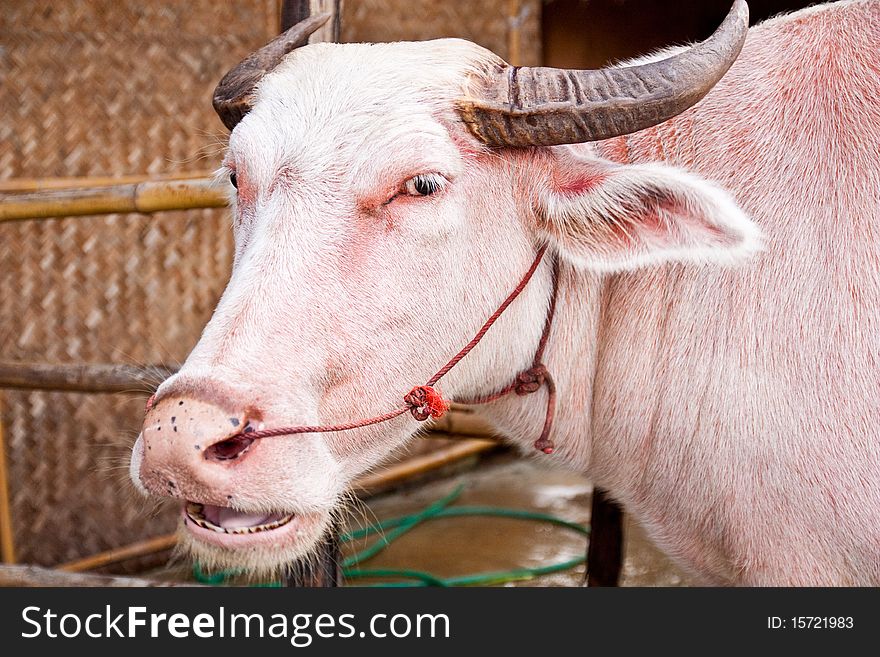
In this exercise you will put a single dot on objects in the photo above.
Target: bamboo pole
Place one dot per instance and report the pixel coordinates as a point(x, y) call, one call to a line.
point(462, 421)
point(138, 549)
point(382, 481)
point(19, 185)
point(323, 568)
point(368, 486)
point(82, 378)
point(142, 197)
point(7, 546)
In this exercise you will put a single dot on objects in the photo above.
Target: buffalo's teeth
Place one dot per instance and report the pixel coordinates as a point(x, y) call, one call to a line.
point(195, 513)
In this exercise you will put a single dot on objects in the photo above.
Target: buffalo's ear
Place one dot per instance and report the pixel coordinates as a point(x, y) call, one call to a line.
point(605, 216)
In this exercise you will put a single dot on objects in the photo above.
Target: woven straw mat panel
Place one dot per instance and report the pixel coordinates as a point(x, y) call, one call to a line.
point(494, 24)
point(108, 87)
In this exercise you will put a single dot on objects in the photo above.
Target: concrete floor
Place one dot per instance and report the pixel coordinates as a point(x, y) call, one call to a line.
point(458, 546)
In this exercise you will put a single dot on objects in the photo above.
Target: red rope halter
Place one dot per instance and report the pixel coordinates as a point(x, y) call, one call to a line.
point(425, 401)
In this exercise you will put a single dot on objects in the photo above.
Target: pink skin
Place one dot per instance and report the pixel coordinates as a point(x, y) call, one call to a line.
point(693, 390)
point(332, 312)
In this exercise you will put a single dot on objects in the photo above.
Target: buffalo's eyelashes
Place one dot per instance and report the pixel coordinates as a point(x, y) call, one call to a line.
point(424, 184)
point(233, 179)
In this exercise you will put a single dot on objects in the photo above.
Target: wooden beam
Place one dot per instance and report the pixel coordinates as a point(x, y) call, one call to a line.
point(461, 423)
point(31, 576)
point(101, 378)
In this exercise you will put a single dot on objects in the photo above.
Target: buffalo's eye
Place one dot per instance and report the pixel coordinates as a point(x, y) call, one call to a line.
point(233, 179)
point(424, 184)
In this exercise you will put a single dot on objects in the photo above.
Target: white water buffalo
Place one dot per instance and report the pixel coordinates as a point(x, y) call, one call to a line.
point(389, 197)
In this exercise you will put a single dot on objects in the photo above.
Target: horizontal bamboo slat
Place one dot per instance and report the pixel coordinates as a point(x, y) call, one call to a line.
point(109, 378)
point(462, 421)
point(142, 197)
point(19, 185)
point(395, 474)
point(138, 549)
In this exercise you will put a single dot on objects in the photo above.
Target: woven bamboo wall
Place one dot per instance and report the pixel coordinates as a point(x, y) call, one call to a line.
point(105, 88)
point(510, 28)
point(114, 87)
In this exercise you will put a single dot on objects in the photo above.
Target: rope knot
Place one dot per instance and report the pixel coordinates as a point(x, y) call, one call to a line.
point(530, 380)
point(425, 402)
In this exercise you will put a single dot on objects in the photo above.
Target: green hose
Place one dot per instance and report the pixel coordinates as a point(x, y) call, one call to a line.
point(394, 528)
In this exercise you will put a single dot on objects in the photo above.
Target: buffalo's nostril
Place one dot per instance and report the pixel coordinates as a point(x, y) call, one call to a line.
point(229, 449)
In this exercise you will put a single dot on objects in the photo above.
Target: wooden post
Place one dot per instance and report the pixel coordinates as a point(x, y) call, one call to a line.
point(605, 552)
point(293, 11)
point(322, 570)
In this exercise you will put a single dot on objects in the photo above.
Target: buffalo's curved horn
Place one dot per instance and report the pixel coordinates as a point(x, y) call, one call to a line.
point(232, 97)
point(549, 106)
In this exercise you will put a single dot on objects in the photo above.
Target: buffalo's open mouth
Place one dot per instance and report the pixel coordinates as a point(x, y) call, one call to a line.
point(225, 520)
point(259, 543)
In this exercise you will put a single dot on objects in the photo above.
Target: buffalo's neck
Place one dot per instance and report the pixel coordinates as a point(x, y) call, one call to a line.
point(571, 358)
point(589, 339)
